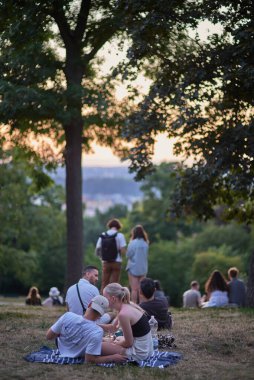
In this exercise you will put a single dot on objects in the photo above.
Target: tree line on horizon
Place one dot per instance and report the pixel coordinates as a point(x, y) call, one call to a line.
point(33, 240)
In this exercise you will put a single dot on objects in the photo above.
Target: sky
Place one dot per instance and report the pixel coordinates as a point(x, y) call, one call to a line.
point(104, 157)
point(164, 147)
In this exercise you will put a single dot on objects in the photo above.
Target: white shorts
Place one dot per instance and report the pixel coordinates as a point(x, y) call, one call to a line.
point(141, 349)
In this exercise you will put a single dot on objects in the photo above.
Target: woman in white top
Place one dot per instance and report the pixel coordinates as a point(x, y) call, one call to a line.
point(216, 289)
point(137, 339)
point(137, 265)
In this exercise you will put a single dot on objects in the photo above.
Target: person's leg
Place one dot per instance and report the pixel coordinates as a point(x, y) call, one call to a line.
point(108, 348)
point(105, 277)
point(116, 272)
point(134, 282)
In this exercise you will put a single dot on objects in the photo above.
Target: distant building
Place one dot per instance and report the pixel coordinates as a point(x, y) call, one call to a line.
point(104, 187)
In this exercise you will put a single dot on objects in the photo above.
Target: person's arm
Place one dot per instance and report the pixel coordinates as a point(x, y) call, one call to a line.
point(110, 327)
point(67, 299)
point(121, 243)
point(98, 248)
point(54, 331)
point(51, 334)
point(129, 251)
point(127, 339)
point(123, 250)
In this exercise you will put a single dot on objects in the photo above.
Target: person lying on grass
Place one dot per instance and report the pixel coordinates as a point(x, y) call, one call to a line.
point(79, 336)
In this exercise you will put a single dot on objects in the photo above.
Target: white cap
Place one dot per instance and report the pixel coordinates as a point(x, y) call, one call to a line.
point(100, 304)
point(54, 292)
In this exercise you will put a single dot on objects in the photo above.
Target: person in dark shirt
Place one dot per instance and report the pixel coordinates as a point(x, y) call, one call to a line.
point(237, 290)
point(158, 307)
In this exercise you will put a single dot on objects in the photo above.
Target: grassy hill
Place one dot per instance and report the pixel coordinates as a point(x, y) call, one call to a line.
point(215, 343)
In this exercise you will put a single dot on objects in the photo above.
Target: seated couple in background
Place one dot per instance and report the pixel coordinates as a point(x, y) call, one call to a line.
point(220, 293)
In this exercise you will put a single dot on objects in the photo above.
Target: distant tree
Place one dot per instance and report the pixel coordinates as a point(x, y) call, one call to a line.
point(232, 235)
point(48, 61)
point(153, 211)
point(171, 262)
point(203, 96)
point(32, 234)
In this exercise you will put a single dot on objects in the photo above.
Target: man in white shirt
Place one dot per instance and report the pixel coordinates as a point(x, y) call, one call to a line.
point(111, 270)
point(86, 288)
point(79, 336)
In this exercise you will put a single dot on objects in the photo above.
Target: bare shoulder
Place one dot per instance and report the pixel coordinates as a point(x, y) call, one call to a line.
point(130, 313)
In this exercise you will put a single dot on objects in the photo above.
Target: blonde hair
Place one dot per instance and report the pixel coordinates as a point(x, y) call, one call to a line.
point(122, 293)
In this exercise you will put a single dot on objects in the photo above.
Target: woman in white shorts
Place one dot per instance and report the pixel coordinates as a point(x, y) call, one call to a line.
point(136, 342)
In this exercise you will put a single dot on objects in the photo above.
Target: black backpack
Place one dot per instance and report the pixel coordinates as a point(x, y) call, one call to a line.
point(109, 249)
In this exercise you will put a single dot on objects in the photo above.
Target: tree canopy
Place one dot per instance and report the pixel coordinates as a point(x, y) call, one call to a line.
point(32, 235)
point(203, 96)
point(50, 84)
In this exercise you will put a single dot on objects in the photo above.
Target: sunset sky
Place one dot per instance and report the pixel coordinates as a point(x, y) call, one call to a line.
point(164, 147)
point(104, 156)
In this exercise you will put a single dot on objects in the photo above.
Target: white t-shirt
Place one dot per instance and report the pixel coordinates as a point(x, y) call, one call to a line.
point(120, 242)
point(87, 291)
point(78, 336)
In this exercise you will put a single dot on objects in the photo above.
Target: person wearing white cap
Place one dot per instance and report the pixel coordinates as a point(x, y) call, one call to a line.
point(54, 298)
point(79, 336)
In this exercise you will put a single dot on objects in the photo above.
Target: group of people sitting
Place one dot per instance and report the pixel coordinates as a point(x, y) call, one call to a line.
point(218, 291)
point(90, 317)
point(80, 331)
point(34, 299)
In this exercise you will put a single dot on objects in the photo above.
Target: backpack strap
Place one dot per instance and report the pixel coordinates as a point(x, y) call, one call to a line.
point(83, 307)
point(105, 234)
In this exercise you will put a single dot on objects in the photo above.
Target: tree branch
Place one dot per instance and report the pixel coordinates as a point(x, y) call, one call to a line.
point(104, 36)
point(61, 21)
point(82, 19)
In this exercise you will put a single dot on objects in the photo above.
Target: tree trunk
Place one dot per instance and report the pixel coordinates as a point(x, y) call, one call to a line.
point(250, 284)
point(73, 156)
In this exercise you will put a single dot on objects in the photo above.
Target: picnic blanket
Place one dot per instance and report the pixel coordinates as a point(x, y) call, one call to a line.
point(160, 359)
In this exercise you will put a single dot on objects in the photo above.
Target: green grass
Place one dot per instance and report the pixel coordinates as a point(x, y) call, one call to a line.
point(215, 343)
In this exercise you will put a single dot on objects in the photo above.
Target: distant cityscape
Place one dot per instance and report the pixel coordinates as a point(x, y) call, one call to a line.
point(104, 187)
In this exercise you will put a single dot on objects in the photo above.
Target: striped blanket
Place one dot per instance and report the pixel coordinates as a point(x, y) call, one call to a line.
point(160, 359)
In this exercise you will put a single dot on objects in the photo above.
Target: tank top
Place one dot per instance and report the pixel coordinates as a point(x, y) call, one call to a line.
point(141, 327)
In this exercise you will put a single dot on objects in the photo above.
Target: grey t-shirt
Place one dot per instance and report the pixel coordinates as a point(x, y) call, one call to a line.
point(191, 298)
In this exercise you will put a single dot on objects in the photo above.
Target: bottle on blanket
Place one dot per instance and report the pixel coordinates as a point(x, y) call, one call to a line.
point(154, 328)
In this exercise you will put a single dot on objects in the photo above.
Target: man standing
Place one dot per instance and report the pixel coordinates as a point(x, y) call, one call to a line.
point(110, 247)
point(192, 297)
point(79, 336)
point(237, 291)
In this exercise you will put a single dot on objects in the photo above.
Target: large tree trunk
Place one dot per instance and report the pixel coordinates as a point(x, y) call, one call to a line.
point(74, 71)
point(73, 155)
point(250, 284)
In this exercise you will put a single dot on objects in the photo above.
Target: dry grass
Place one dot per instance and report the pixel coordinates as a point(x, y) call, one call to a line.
point(216, 344)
